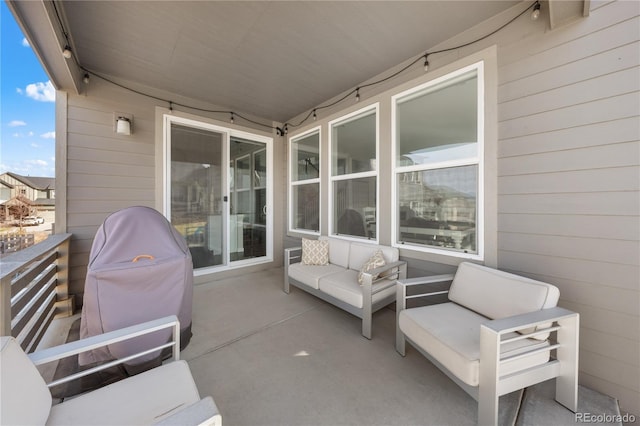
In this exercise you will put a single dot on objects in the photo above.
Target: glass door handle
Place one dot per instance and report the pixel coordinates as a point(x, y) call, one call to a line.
point(264, 209)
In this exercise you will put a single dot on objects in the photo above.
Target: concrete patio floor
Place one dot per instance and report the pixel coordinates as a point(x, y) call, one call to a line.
point(270, 358)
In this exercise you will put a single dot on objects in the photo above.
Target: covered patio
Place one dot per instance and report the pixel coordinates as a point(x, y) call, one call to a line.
point(226, 117)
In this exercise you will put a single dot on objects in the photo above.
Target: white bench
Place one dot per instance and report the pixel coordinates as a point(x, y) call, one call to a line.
point(498, 333)
point(163, 395)
point(337, 282)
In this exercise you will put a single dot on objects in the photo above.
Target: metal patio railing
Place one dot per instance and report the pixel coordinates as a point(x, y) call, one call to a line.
point(34, 289)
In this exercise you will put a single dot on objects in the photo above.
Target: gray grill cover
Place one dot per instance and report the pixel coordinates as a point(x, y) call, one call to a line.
point(120, 292)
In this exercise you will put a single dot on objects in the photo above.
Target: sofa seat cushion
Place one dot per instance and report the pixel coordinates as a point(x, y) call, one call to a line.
point(344, 286)
point(311, 274)
point(142, 399)
point(450, 333)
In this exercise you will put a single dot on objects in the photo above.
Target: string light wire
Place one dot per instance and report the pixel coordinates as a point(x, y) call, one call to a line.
point(313, 112)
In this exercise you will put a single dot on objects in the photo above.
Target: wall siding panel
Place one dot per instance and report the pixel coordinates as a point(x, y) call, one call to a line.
point(569, 181)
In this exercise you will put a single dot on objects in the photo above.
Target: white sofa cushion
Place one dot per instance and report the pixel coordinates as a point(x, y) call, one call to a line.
point(142, 399)
point(361, 252)
point(451, 334)
point(311, 274)
point(338, 251)
point(344, 286)
point(498, 294)
point(26, 400)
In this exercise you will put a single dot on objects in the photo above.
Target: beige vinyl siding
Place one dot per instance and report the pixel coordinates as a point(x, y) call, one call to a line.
point(569, 180)
point(105, 171)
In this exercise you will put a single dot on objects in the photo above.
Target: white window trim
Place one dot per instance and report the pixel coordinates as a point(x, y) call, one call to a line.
point(228, 133)
point(292, 183)
point(375, 173)
point(480, 161)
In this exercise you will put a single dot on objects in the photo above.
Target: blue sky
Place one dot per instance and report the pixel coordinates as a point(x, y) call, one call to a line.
point(27, 105)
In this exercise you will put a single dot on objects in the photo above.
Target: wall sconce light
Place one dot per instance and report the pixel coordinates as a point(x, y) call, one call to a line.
point(123, 125)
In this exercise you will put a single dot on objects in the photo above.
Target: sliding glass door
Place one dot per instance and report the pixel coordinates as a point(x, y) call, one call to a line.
point(217, 192)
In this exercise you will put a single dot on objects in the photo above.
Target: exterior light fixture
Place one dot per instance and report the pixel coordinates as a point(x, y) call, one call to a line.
point(535, 14)
point(426, 62)
point(67, 52)
point(123, 126)
point(358, 94)
point(85, 78)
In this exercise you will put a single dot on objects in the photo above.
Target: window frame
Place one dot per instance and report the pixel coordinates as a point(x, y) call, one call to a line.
point(352, 116)
point(479, 160)
point(295, 183)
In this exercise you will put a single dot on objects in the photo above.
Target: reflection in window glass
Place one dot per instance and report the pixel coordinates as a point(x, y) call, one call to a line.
point(353, 147)
point(439, 123)
point(304, 207)
point(354, 207)
point(306, 203)
point(196, 192)
point(438, 208)
point(305, 154)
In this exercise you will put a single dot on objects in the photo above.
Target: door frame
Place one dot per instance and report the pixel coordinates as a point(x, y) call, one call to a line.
point(228, 133)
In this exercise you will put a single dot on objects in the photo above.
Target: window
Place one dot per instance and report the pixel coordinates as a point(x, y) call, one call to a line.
point(304, 158)
point(438, 146)
point(354, 176)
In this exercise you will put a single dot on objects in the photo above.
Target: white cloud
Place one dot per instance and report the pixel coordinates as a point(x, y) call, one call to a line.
point(19, 90)
point(40, 163)
point(48, 135)
point(25, 42)
point(44, 92)
point(16, 123)
point(30, 134)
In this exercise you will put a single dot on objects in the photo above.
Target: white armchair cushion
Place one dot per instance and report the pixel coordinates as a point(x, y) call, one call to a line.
point(451, 334)
point(142, 399)
point(498, 294)
point(26, 399)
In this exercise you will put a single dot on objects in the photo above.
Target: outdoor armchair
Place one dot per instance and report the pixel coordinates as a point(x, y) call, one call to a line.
point(497, 333)
point(163, 395)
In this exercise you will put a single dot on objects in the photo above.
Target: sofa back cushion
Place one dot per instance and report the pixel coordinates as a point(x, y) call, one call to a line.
point(26, 400)
point(498, 294)
point(360, 254)
point(338, 251)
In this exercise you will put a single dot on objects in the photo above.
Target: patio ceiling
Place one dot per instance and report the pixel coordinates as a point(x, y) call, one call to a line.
point(272, 59)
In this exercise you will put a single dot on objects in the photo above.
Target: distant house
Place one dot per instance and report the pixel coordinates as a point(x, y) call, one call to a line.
point(6, 189)
point(40, 190)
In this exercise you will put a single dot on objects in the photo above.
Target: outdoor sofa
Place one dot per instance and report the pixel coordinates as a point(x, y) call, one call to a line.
point(333, 274)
